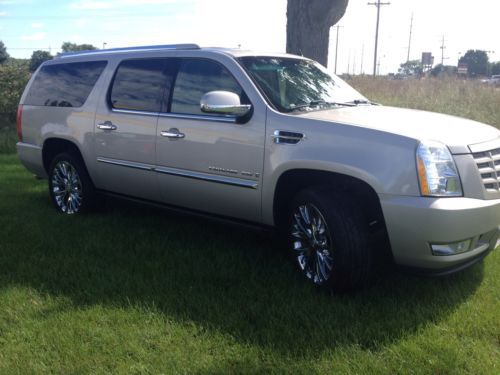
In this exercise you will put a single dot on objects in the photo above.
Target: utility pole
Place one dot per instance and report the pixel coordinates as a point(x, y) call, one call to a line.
point(349, 63)
point(378, 4)
point(409, 41)
point(362, 58)
point(337, 48)
point(442, 52)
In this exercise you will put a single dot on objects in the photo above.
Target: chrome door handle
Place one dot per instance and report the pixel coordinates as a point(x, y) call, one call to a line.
point(172, 133)
point(106, 125)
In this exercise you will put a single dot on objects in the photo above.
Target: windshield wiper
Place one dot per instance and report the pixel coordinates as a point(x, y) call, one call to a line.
point(361, 101)
point(317, 103)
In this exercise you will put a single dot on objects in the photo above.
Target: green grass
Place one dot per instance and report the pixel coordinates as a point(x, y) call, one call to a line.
point(8, 139)
point(138, 290)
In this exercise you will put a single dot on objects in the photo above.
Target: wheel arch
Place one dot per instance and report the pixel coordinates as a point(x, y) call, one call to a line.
point(291, 181)
point(54, 146)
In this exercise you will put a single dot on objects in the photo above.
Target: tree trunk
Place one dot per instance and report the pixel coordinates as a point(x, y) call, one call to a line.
point(308, 26)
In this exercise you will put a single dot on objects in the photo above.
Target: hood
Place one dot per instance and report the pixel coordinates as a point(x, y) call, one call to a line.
point(455, 132)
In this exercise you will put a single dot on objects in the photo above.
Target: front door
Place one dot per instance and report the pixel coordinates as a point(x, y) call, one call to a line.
point(209, 163)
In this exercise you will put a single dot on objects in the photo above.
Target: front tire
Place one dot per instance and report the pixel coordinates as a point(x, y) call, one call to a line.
point(70, 187)
point(329, 240)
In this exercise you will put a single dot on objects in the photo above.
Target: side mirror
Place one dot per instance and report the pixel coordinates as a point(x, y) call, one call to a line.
point(224, 103)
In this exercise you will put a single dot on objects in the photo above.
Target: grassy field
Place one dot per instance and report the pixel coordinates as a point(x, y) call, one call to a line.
point(469, 99)
point(139, 290)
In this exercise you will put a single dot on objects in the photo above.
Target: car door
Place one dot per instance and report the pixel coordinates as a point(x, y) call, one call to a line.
point(209, 163)
point(125, 128)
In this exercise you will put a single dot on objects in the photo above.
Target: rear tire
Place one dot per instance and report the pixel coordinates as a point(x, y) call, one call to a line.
point(329, 240)
point(70, 187)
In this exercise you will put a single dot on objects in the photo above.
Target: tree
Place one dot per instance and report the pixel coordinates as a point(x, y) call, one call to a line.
point(495, 68)
point(3, 53)
point(477, 62)
point(411, 68)
point(444, 70)
point(73, 47)
point(37, 58)
point(308, 26)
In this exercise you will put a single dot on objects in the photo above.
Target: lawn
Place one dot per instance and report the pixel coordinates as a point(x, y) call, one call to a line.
point(139, 290)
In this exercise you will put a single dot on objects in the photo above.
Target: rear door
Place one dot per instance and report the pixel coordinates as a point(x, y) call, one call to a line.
point(215, 163)
point(125, 127)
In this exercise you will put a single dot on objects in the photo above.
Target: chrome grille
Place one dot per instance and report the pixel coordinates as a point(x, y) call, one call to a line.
point(488, 164)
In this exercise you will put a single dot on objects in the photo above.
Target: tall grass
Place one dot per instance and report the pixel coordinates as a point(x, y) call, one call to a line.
point(464, 98)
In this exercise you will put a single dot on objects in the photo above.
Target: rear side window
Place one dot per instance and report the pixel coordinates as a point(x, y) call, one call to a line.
point(196, 77)
point(139, 85)
point(64, 85)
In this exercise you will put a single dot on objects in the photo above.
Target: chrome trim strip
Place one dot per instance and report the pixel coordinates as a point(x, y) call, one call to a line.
point(233, 181)
point(485, 146)
point(28, 145)
point(230, 120)
point(129, 164)
point(134, 112)
point(208, 177)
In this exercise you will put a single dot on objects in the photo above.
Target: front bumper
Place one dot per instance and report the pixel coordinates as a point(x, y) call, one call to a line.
point(414, 223)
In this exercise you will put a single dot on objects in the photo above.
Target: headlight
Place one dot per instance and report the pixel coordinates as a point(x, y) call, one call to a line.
point(437, 171)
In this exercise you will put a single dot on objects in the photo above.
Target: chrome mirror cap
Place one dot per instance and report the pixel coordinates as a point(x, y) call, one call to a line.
point(225, 103)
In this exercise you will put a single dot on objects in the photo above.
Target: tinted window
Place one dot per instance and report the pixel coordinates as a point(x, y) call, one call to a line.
point(64, 85)
point(139, 85)
point(197, 77)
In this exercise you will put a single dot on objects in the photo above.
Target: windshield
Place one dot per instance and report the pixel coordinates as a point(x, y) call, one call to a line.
point(298, 85)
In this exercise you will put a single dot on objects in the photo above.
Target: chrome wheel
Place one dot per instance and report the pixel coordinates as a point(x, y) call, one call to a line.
point(312, 243)
point(66, 187)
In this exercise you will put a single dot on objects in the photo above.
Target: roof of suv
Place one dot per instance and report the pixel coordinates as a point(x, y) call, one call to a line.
point(234, 52)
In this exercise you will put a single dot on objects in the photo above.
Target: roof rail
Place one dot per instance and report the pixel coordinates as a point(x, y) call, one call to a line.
point(125, 49)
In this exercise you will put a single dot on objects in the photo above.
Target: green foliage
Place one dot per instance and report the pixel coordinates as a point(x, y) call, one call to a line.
point(440, 70)
point(411, 68)
point(12, 83)
point(37, 58)
point(495, 68)
point(3, 53)
point(18, 63)
point(73, 47)
point(135, 290)
point(477, 62)
point(13, 79)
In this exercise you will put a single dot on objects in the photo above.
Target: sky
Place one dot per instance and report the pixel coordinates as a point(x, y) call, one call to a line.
point(27, 25)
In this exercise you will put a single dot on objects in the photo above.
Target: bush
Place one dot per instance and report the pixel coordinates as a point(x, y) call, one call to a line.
point(13, 79)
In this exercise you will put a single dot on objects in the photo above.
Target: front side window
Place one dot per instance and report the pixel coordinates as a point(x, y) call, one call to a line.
point(291, 84)
point(140, 85)
point(64, 85)
point(195, 78)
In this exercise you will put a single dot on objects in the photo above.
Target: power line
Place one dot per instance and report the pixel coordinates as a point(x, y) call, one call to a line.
point(378, 4)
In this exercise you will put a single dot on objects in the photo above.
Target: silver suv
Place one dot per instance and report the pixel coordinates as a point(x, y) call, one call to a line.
point(268, 139)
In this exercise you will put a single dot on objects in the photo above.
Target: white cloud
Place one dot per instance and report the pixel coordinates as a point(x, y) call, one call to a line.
point(91, 5)
point(2, 14)
point(117, 4)
point(36, 25)
point(35, 36)
point(81, 22)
